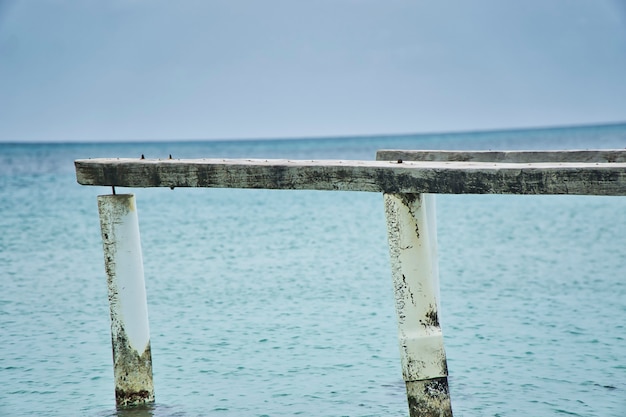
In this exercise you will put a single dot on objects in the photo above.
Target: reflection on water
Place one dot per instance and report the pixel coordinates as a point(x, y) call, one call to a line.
point(147, 410)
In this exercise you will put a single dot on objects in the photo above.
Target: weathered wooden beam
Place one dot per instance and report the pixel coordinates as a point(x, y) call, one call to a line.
point(374, 176)
point(568, 156)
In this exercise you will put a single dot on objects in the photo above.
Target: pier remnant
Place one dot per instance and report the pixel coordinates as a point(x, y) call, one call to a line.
point(130, 332)
point(407, 179)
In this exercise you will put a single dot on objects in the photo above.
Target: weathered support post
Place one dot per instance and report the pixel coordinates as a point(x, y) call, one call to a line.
point(130, 333)
point(411, 231)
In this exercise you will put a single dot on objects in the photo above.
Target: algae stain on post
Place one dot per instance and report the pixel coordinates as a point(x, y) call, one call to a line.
point(412, 238)
point(130, 332)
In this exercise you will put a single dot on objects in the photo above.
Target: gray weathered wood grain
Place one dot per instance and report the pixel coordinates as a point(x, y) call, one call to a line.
point(374, 176)
point(604, 155)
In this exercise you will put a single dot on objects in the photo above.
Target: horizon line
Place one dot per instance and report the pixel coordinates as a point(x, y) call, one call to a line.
point(323, 137)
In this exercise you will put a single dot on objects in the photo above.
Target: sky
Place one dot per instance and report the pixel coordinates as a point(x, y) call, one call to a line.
point(87, 70)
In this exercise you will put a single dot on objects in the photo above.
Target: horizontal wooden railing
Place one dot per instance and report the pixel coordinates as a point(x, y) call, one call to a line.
point(400, 174)
point(603, 155)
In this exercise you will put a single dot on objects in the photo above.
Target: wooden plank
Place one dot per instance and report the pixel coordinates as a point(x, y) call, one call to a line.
point(602, 156)
point(373, 176)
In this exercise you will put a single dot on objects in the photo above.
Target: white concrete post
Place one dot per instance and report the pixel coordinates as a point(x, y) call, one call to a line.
point(130, 333)
point(412, 237)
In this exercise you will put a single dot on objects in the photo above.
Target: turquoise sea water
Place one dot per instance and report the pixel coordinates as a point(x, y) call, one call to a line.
point(279, 303)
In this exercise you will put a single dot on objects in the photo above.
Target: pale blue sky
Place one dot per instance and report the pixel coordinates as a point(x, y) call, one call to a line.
point(87, 70)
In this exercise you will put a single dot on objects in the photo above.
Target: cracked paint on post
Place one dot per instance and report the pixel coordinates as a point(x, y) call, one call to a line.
point(412, 237)
point(130, 332)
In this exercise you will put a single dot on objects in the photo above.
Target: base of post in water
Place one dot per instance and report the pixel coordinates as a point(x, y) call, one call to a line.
point(133, 375)
point(429, 398)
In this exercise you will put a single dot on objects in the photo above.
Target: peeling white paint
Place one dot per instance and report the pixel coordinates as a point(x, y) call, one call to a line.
point(411, 227)
point(123, 246)
point(413, 248)
point(130, 332)
point(429, 202)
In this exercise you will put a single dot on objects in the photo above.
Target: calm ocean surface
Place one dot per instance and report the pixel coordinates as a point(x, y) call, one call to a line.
point(279, 303)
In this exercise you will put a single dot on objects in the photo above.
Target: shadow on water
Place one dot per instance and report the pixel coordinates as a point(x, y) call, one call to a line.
point(148, 410)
